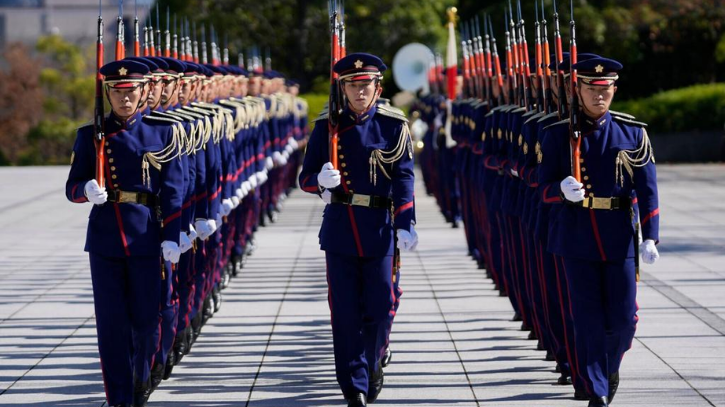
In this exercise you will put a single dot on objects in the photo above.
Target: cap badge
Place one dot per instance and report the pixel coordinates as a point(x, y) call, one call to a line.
point(123, 71)
point(599, 68)
point(358, 64)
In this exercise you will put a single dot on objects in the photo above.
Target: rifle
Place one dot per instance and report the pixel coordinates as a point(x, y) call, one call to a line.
point(466, 62)
point(496, 62)
point(527, 100)
point(175, 51)
point(546, 85)
point(119, 32)
point(334, 104)
point(558, 49)
point(509, 61)
point(539, 58)
point(158, 31)
point(152, 46)
point(167, 36)
point(574, 125)
point(99, 129)
point(136, 39)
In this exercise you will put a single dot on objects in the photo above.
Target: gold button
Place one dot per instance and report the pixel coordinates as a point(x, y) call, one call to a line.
point(584, 169)
point(107, 144)
point(586, 177)
point(343, 165)
point(344, 173)
point(115, 185)
point(110, 160)
point(113, 168)
point(347, 182)
point(351, 191)
point(109, 151)
point(339, 147)
point(342, 156)
point(114, 176)
point(589, 186)
point(581, 160)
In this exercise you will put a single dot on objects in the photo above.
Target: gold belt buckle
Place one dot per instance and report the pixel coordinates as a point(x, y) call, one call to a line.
point(601, 203)
point(127, 197)
point(361, 200)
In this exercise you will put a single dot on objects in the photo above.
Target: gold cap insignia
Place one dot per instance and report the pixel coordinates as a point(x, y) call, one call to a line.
point(123, 71)
point(599, 68)
point(358, 64)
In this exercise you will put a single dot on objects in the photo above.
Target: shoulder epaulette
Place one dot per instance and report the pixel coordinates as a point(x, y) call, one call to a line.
point(534, 117)
point(548, 116)
point(393, 112)
point(86, 124)
point(557, 123)
point(621, 114)
point(167, 120)
point(518, 110)
point(323, 116)
point(531, 113)
point(629, 121)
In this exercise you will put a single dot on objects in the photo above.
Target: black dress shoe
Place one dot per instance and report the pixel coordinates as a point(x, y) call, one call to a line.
point(169, 365)
point(517, 317)
point(387, 356)
point(216, 296)
point(358, 401)
point(189, 334)
point(121, 405)
point(157, 374)
point(525, 327)
point(532, 335)
point(565, 380)
point(581, 394)
point(613, 385)
point(598, 402)
point(207, 310)
point(141, 392)
point(549, 356)
point(180, 344)
point(196, 324)
point(375, 384)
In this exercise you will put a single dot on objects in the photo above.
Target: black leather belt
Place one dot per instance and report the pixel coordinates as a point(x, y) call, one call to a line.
point(368, 201)
point(607, 204)
point(143, 198)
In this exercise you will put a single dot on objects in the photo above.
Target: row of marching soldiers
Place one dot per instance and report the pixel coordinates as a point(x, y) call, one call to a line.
point(194, 157)
point(563, 249)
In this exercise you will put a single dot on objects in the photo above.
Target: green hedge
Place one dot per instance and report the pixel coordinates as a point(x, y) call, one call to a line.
point(699, 107)
point(316, 102)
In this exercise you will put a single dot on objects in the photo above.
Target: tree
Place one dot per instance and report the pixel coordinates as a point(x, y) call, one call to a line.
point(20, 101)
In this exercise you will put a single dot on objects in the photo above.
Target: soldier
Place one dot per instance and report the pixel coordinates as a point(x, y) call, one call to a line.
point(370, 204)
point(594, 230)
point(133, 222)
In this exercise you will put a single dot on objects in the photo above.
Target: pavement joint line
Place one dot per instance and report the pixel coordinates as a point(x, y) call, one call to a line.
point(41, 295)
point(48, 354)
point(31, 199)
point(708, 317)
point(676, 372)
point(313, 211)
point(448, 330)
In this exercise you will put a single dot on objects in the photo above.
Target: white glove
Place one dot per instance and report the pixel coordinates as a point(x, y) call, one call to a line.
point(277, 157)
point(407, 241)
point(171, 251)
point(293, 143)
point(247, 186)
point(239, 193)
point(328, 177)
point(268, 163)
point(95, 193)
point(219, 221)
point(418, 129)
point(226, 207)
point(262, 177)
point(649, 251)
point(203, 228)
point(289, 149)
point(326, 196)
point(285, 155)
point(572, 189)
point(235, 201)
point(184, 242)
point(253, 181)
point(213, 224)
point(192, 233)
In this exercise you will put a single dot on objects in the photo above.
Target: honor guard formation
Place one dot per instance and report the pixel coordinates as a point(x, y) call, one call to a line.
point(557, 193)
point(194, 156)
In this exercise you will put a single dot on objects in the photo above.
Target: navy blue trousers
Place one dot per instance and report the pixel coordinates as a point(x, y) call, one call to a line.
point(126, 297)
point(361, 298)
point(604, 311)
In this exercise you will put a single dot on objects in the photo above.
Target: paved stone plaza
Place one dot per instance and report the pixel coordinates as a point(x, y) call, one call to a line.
point(270, 344)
